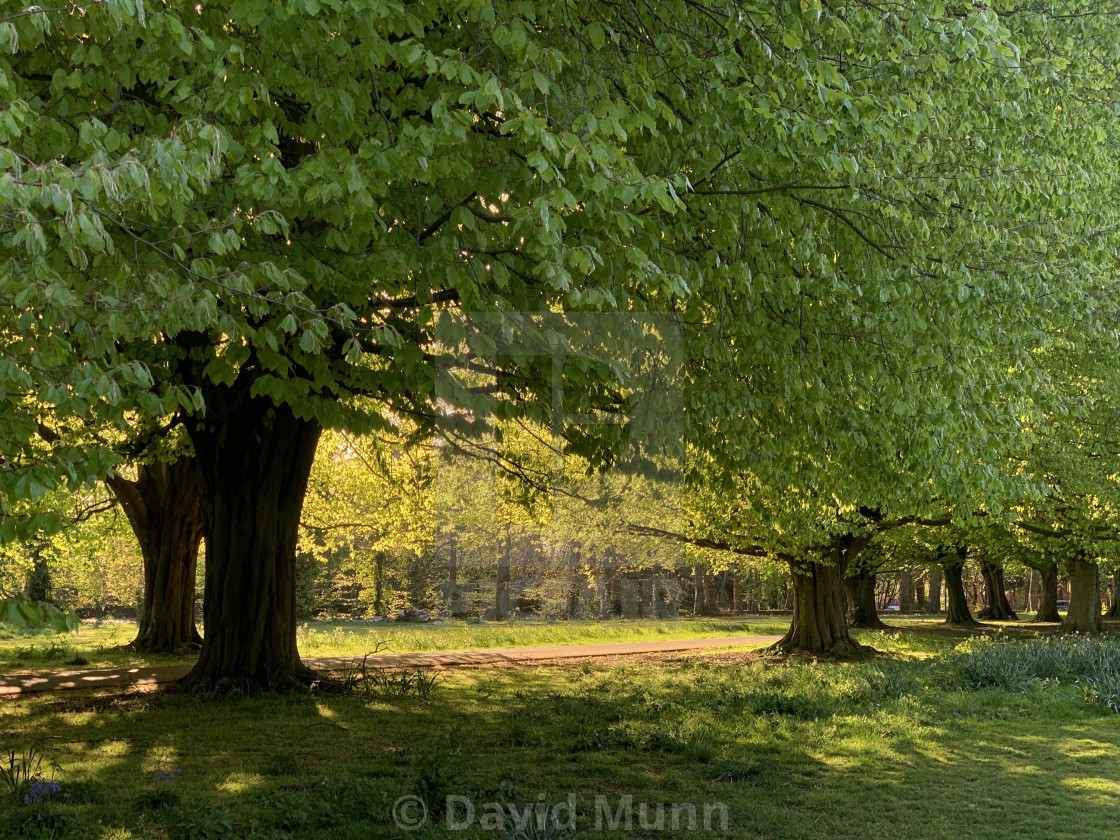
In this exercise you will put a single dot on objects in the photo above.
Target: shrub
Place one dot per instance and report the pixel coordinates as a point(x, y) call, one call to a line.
point(1091, 662)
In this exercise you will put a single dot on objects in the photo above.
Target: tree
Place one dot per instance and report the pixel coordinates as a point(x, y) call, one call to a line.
point(310, 200)
point(996, 605)
point(163, 504)
point(860, 583)
point(235, 227)
point(862, 390)
point(952, 565)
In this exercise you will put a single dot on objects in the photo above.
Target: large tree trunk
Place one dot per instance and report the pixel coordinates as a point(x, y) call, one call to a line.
point(958, 612)
point(933, 602)
point(1114, 608)
point(861, 600)
point(997, 607)
point(820, 622)
point(1084, 615)
point(1048, 596)
point(164, 507)
point(255, 459)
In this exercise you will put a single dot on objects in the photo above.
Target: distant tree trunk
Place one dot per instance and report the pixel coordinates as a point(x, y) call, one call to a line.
point(736, 594)
point(1084, 614)
point(1114, 607)
point(1048, 595)
point(933, 601)
point(997, 607)
point(39, 586)
point(820, 621)
point(958, 614)
point(255, 458)
point(379, 583)
point(164, 506)
point(905, 592)
point(712, 589)
point(453, 605)
point(752, 593)
point(861, 599)
point(699, 582)
point(501, 593)
point(575, 587)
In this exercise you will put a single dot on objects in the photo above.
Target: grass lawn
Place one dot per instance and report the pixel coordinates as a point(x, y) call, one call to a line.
point(103, 645)
point(901, 746)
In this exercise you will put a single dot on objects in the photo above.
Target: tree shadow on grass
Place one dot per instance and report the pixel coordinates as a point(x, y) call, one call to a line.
point(791, 751)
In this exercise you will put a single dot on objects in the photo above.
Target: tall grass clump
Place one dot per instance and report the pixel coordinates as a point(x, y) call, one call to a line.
point(1091, 662)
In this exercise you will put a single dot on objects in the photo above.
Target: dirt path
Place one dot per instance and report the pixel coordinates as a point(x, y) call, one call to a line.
point(18, 685)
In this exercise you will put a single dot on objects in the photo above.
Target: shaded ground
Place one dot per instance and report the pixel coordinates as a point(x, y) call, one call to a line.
point(897, 747)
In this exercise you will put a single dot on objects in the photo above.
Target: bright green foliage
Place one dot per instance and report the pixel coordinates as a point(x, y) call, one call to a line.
point(1074, 455)
point(866, 221)
point(919, 210)
point(288, 193)
point(26, 616)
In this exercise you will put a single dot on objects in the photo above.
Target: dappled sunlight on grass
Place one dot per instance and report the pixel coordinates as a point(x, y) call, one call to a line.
point(890, 747)
point(105, 646)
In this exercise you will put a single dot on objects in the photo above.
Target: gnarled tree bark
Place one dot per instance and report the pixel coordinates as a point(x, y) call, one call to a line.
point(164, 507)
point(255, 458)
point(699, 604)
point(820, 623)
point(501, 581)
point(1084, 614)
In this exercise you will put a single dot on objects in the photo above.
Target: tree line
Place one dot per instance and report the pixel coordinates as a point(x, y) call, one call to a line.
point(882, 239)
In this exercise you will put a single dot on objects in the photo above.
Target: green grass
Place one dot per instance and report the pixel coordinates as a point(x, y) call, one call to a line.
point(900, 746)
point(103, 646)
point(341, 638)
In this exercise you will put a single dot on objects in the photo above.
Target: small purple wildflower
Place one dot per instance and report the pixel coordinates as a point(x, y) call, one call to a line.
point(164, 777)
point(43, 791)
